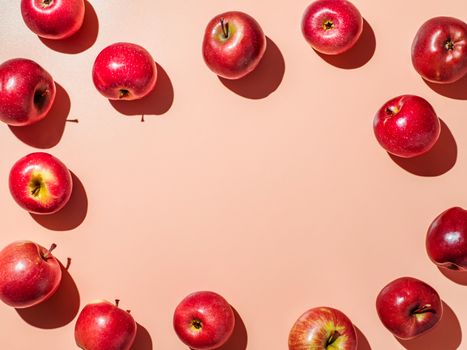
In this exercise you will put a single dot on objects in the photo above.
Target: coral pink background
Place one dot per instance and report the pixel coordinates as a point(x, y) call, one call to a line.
point(271, 191)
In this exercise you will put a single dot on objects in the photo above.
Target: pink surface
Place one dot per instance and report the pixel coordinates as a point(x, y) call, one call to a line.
point(271, 191)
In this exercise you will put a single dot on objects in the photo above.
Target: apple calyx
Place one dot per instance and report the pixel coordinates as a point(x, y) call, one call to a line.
point(196, 325)
point(47, 254)
point(332, 338)
point(328, 25)
point(225, 28)
point(46, 3)
point(449, 45)
point(392, 110)
point(419, 311)
point(123, 93)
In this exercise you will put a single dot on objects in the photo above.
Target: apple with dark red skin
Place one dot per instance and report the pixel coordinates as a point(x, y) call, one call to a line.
point(40, 183)
point(408, 307)
point(124, 71)
point(233, 44)
point(29, 274)
point(27, 92)
point(53, 19)
point(407, 126)
point(204, 320)
point(332, 26)
point(446, 239)
point(439, 50)
point(323, 328)
point(102, 325)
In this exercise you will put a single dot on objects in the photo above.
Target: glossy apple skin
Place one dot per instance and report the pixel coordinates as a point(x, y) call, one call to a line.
point(446, 239)
point(53, 19)
point(323, 328)
point(40, 183)
point(124, 71)
point(439, 50)
point(204, 320)
point(29, 274)
point(101, 325)
point(239, 53)
point(407, 126)
point(408, 307)
point(332, 26)
point(27, 92)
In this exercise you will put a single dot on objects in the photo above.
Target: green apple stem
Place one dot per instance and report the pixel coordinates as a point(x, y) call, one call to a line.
point(332, 338)
point(225, 28)
point(47, 254)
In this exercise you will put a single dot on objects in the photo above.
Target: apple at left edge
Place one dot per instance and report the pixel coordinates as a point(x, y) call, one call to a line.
point(408, 307)
point(332, 27)
point(40, 183)
point(53, 19)
point(233, 44)
point(124, 71)
point(102, 325)
point(323, 328)
point(29, 274)
point(27, 92)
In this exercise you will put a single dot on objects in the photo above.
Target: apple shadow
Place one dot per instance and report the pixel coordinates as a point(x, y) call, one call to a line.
point(157, 102)
point(446, 335)
point(456, 90)
point(239, 338)
point(59, 310)
point(81, 40)
point(48, 132)
point(457, 276)
point(363, 343)
point(143, 339)
point(358, 55)
point(266, 77)
point(437, 161)
point(72, 215)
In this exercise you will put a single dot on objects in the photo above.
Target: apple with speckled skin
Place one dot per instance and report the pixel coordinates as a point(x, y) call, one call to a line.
point(102, 325)
point(124, 71)
point(233, 44)
point(27, 92)
point(204, 320)
point(29, 274)
point(53, 19)
point(332, 27)
point(407, 126)
point(408, 307)
point(439, 50)
point(446, 239)
point(40, 183)
point(323, 328)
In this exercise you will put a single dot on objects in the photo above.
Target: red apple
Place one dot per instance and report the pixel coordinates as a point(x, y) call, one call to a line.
point(439, 50)
point(407, 126)
point(233, 44)
point(323, 328)
point(408, 307)
point(27, 92)
point(332, 26)
point(40, 183)
point(124, 71)
point(53, 19)
point(446, 239)
point(29, 274)
point(102, 325)
point(204, 320)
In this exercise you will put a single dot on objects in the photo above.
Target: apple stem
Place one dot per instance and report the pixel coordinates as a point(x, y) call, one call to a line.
point(117, 301)
point(142, 118)
point(332, 338)
point(449, 45)
point(225, 28)
point(49, 252)
point(423, 309)
point(68, 263)
point(73, 120)
point(453, 267)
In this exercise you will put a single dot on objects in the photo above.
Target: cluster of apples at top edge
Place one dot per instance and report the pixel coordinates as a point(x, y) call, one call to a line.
point(406, 126)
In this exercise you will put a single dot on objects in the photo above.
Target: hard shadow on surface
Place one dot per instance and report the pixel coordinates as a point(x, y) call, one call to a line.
point(457, 276)
point(456, 90)
point(81, 40)
point(59, 310)
point(363, 343)
point(265, 79)
point(446, 335)
point(48, 132)
point(358, 55)
point(157, 102)
point(72, 215)
point(143, 339)
point(239, 338)
point(439, 160)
